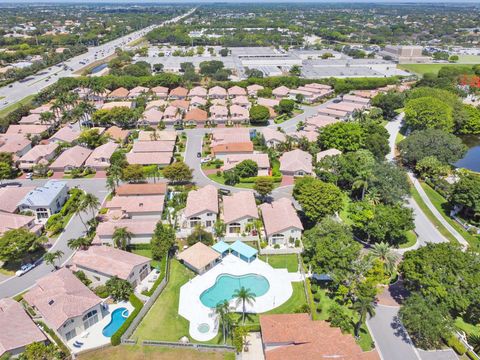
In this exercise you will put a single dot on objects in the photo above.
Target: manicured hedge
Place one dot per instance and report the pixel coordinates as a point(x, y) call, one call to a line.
point(250, 180)
point(116, 338)
point(456, 345)
point(55, 338)
point(471, 355)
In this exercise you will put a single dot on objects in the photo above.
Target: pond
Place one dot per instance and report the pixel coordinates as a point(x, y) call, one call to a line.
point(471, 160)
point(98, 68)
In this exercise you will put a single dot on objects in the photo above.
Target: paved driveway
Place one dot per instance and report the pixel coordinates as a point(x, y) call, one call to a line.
point(74, 229)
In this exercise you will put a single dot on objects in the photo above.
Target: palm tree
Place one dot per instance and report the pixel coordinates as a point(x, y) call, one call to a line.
point(362, 306)
point(384, 253)
point(79, 243)
point(474, 340)
point(91, 202)
point(46, 117)
point(361, 183)
point(79, 208)
point(223, 311)
point(121, 237)
point(111, 185)
point(243, 296)
point(51, 258)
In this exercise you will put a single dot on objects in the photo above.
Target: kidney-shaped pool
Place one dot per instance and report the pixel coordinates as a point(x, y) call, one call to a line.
point(226, 284)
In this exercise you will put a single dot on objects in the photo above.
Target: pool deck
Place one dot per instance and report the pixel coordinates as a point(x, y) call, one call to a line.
point(191, 308)
point(93, 337)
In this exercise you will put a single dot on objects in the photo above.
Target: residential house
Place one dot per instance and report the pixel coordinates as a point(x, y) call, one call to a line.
point(178, 93)
point(329, 152)
point(171, 115)
point(356, 99)
point(117, 104)
point(71, 158)
point(280, 92)
point(230, 135)
point(268, 102)
point(156, 104)
point(296, 163)
point(349, 108)
point(273, 137)
point(153, 146)
point(41, 109)
point(337, 114)
point(149, 158)
point(117, 134)
point(239, 114)
point(218, 102)
point(197, 117)
point(199, 257)
point(67, 306)
point(197, 101)
point(100, 263)
point(99, 159)
point(141, 230)
point(236, 91)
point(306, 96)
point(137, 91)
point(297, 336)
point(9, 221)
point(66, 134)
point(138, 207)
point(261, 160)
point(318, 86)
point(181, 105)
point(202, 208)
point(32, 130)
point(239, 213)
point(46, 200)
point(319, 121)
point(218, 113)
point(198, 91)
point(252, 90)
point(217, 92)
point(39, 154)
point(31, 119)
point(118, 94)
point(164, 135)
point(148, 189)
point(160, 92)
point(11, 196)
point(281, 222)
point(151, 117)
point(221, 151)
point(241, 101)
point(22, 331)
point(18, 145)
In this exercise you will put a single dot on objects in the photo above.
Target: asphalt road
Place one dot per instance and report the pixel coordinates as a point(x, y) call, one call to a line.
point(74, 229)
point(20, 90)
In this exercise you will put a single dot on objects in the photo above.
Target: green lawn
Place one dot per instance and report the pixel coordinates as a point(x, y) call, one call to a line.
point(288, 261)
point(443, 207)
point(5, 111)
point(148, 253)
point(221, 180)
point(127, 352)
point(411, 240)
point(468, 59)
point(469, 329)
point(433, 219)
point(422, 69)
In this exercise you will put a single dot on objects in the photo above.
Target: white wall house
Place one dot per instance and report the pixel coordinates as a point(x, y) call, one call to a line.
point(202, 208)
point(239, 210)
point(281, 223)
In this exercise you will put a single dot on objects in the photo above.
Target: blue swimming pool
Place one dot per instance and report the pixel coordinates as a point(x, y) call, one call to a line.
point(226, 284)
point(118, 318)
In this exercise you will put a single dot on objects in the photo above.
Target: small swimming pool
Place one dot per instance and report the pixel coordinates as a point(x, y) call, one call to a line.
point(226, 284)
point(118, 318)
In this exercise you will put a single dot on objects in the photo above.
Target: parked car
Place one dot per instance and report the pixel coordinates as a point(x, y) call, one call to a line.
point(28, 176)
point(224, 191)
point(205, 160)
point(199, 154)
point(24, 269)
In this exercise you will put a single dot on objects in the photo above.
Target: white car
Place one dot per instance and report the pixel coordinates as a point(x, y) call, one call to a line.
point(205, 160)
point(24, 269)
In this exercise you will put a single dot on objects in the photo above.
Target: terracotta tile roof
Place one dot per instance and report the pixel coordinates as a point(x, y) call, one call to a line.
point(141, 189)
point(152, 115)
point(117, 104)
point(153, 146)
point(67, 134)
point(233, 160)
point(240, 100)
point(332, 112)
point(329, 152)
point(181, 104)
point(230, 135)
point(239, 113)
point(233, 148)
point(100, 157)
point(74, 156)
point(297, 337)
point(219, 110)
point(268, 102)
point(117, 133)
point(279, 216)
point(13, 143)
point(10, 221)
point(179, 92)
point(281, 91)
point(155, 104)
point(238, 206)
point(160, 90)
point(196, 115)
point(135, 226)
point(149, 158)
point(11, 196)
point(346, 106)
point(164, 135)
point(170, 111)
point(296, 160)
point(321, 120)
point(138, 90)
point(60, 296)
point(121, 92)
point(108, 260)
point(201, 200)
point(30, 119)
point(199, 255)
point(356, 99)
point(38, 152)
point(236, 91)
point(253, 89)
point(308, 133)
point(194, 101)
point(137, 204)
point(217, 91)
point(319, 86)
point(198, 91)
point(27, 129)
point(22, 330)
point(272, 134)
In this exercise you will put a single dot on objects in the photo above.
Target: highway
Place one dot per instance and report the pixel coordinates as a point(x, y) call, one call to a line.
point(16, 91)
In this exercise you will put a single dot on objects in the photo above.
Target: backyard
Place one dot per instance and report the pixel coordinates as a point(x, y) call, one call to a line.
point(288, 261)
point(422, 69)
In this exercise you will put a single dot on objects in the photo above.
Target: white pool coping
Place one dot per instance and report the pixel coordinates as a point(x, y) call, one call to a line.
point(93, 336)
point(191, 308)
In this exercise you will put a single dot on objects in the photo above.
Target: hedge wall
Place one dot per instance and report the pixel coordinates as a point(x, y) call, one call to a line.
point(116, 338)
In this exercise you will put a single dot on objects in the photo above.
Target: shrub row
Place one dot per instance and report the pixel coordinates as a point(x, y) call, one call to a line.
point(159, 280)
point(250, 180)
point(55, 338)
point(456, 345)
point(116, 338)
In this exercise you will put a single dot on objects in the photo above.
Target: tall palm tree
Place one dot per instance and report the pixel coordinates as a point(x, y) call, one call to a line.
point(223, 311)
point(46, 117)
point(361, 183)
point(474, 340)
point(362, 306)
point(385, 254)
point(79, 243)
point(91, 202)
point(79, 208)
point(111, 185)
point(51, 258)
point(243, 296)
point(121, 237)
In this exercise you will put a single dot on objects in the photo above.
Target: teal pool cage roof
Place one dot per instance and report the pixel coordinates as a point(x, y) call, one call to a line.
point(221, 247)
point(243, 249)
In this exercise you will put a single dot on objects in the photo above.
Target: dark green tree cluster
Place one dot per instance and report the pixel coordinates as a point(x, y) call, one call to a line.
point(162, 241)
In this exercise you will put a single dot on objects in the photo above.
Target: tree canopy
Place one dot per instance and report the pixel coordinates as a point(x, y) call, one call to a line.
point(429, 113)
